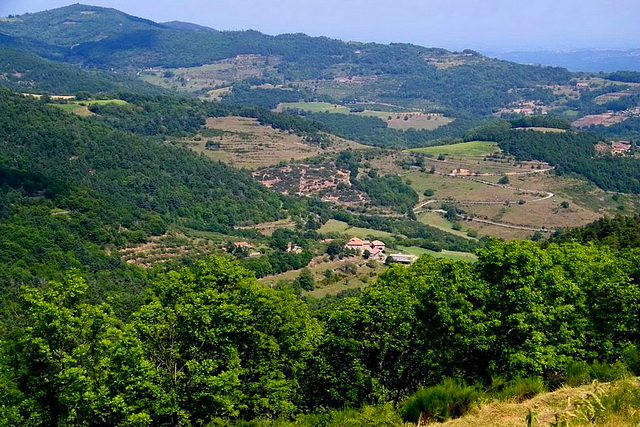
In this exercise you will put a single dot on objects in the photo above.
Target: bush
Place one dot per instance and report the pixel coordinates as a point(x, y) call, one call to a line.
point(632, 359)
point(450, 399)
point(520, 388)
point(579, 373)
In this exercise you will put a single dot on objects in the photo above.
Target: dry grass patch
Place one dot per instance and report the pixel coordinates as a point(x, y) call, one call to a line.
point(245, 143)
point(543, 129)
point(564, 402)
point(428, 121)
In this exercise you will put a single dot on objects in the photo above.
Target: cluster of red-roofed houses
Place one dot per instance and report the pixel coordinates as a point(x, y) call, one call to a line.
point(620, 147)
point(375, 247)
point(376, 250)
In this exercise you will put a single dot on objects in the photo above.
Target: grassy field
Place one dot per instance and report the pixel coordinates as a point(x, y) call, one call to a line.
point(436, 220)
point(334, 226)
point(464, 149)
point(458, 256)
point(394, 119)
point(418, 121)
point(81, 108)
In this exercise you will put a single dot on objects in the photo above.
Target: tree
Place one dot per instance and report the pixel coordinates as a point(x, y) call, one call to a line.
point(74, 364)
point(305, 280)
point(334, 248)
point(504, 180)
point(223, 346)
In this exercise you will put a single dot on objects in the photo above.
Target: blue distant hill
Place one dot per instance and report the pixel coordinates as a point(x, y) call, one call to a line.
point(588, 60)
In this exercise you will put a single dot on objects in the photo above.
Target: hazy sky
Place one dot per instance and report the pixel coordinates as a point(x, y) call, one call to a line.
point(453, 24)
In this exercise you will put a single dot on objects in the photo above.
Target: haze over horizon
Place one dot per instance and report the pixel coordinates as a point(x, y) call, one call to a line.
point(450, 24)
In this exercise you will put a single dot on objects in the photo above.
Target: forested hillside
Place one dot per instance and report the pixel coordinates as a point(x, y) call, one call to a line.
point(144, 282)
point(73, 187)
point(210, 345)
point(569, 152)
point(105, 38)
point(29, 73)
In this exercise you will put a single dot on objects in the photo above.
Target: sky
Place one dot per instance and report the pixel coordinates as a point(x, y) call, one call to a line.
point(484, 25)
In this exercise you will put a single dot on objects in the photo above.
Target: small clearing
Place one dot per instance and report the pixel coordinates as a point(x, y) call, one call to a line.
point(463, 149)
point(543, 129)
point(394, 119)
point(335, 226)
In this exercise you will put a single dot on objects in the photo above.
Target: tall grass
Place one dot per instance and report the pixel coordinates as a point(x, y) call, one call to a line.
point(579, 373)
point(519, 389)
point(451, 399)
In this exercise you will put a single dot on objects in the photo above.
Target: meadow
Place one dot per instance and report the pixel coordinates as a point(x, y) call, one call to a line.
point(400, 120)
point(463, 149)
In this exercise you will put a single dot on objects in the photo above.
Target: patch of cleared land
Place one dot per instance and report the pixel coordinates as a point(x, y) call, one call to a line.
point(394, 119)
point(613, 96)
point(344, 279)
point(463, 149)
point(605, 119)
point(81, 108)
point(335, 226)
point(324, 181)
point(245, 143)
point(457, 256)
point(543, 129)
point(418, 121)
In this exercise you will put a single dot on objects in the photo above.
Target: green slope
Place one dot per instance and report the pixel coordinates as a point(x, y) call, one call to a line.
point(29, 73)
point(169, 180)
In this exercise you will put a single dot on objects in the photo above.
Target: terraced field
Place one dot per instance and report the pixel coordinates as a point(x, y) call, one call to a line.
point(244, 143)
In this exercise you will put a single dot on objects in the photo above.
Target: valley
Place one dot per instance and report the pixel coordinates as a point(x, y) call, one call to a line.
point(230, 228)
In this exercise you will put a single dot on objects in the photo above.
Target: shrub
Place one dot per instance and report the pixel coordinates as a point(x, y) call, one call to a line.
point(632, 358)
point(579, 373)
point(450, 399)
point(521, 388)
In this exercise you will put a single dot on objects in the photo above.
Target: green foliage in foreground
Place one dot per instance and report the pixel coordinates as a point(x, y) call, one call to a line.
point(210, 345)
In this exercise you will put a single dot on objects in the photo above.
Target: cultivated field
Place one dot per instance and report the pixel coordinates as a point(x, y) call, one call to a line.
point(533, 200)
point(394, 119)
point(244, 143)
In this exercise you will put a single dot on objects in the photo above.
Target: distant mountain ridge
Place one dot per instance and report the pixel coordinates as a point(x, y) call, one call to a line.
point(587, 60)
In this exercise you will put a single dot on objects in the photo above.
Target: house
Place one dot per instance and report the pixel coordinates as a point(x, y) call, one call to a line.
point(358, 245)
point(293, 248)
point(620, 147)
point(375, 248)
point(245, 245)
point(401, 259)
